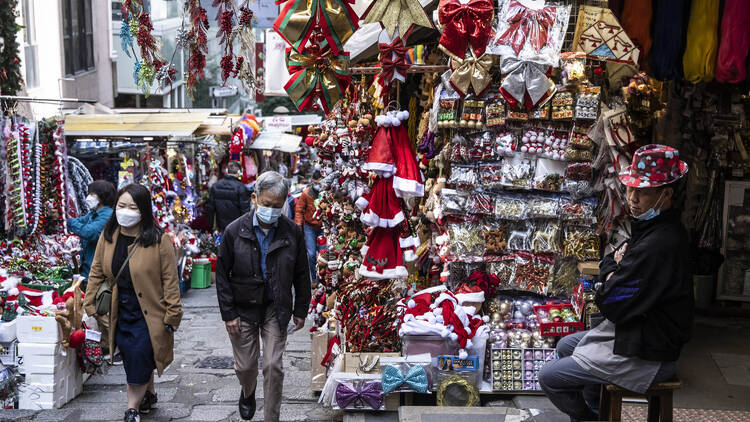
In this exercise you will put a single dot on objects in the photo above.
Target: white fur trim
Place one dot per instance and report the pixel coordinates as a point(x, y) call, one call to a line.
point(470, 310)
point(411, 303)
point(361, 203)
point(408, 317)
point(408, 242)
point(383, 120)
point(453, 336)
point(462, 354)
point(407, 188)
point(431, 318)
point(410, 255)
point(373, 220)
point(445, 296)
point(379, 167)
point(363, 250)
point(486, 318)
point(470, 297)
point(319, 308)
point(398, 272)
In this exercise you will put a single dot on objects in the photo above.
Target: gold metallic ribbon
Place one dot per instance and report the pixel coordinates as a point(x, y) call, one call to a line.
point(324, 75)
point(471, 73)
point(398, 13)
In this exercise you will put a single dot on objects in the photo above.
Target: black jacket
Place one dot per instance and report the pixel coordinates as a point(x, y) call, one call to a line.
point(286, 265)
point(650, 294)
point(228, 200)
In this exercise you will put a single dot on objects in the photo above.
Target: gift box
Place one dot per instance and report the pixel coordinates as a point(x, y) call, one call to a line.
point(557, 329)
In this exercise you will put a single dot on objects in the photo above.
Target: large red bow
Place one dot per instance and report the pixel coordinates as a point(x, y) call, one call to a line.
point(466, 24)
point(391, 64)
point(528, 24)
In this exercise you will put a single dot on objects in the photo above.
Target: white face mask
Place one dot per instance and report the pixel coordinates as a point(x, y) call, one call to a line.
point(92, 202)
point(128, 218)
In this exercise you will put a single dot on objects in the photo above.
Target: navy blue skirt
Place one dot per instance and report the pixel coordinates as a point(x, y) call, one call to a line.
point(133, 340)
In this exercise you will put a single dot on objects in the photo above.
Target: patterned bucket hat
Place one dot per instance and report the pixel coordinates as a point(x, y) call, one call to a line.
point(654, 165)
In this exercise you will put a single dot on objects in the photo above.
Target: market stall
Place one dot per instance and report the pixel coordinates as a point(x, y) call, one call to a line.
point(471, 179)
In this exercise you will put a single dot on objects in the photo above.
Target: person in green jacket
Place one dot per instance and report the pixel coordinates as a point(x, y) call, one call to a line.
point(88, 227)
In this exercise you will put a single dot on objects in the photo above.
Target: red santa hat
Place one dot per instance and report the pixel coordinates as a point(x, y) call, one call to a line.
point(417, 306)
point(380, 158)
point(380, 207)
point(467, 293)
point(408, 182)
point(382, 256)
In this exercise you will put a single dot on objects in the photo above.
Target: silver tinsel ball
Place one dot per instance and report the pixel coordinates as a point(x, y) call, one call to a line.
point(183, 39)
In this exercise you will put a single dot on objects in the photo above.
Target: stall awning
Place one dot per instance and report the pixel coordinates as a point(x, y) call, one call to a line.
point(134, 125)
point(277, 141)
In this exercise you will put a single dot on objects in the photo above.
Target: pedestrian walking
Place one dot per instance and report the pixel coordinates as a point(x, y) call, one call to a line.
point(228, 198)
point(305, 217)
point(646, 297)
point(138, 261)
point(100, 200)
point(262, 280)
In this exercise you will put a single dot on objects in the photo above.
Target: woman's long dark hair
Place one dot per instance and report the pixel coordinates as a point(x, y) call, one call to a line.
point(150, 232)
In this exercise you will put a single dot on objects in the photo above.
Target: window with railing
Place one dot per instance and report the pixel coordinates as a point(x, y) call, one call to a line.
point(78, 36)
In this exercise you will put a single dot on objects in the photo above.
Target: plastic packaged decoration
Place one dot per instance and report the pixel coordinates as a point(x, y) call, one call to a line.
point(495, 237)
point(546, 238)
point(579, 171)
point(577, 188)
point(504, 270)
point(448, 111)
point(510, 206)
point(533, 141)
point(518, 171)
point(481, 203)
point(472, 116)
point(581, 140)
point(491, 175)
point(565, 279)
point(495, 114)
point(549, 174)
point(533, 271)
point(519, 238)
point(581, 243)
point(580, 211)
point(460, 150)
point(587, 104)
point(544, 206)
point(466, 239)
point(483, 148)
point(574, 154)
point(562, 105)
point(573, 65)
point(463, 176)
point(505, 143)
point(453, 202)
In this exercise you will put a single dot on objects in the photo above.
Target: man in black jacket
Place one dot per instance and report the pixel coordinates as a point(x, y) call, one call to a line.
point(646, 297)
point(228, 198)
point(262, 280)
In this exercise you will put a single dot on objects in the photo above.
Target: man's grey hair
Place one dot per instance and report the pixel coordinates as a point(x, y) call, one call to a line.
point(273, 182)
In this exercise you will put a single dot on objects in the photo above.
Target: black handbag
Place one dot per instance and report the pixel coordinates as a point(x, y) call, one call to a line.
point(248, 291)
point(103, 298)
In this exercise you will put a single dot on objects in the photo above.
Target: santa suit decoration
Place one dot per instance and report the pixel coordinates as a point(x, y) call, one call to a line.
point(382, 256)
point(380, 207)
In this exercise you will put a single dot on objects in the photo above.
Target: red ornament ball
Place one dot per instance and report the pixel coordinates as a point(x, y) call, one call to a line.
point(77, 338)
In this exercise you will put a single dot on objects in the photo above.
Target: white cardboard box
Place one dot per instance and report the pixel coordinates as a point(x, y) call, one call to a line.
point(39, 349)
point(8, 331)
point(36, 329)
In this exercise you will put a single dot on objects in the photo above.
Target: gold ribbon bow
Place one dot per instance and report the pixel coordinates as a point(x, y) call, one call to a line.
point(317, 75)
point(397, 13)
point(471, 73)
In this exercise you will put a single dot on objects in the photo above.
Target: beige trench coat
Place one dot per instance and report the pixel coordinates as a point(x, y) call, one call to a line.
point(154, 274)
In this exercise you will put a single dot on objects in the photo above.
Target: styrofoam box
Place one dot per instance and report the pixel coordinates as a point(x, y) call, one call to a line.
point(36, 359)
point(36, 329)
point(65, 386)
point(8, 331)
point(11, 351)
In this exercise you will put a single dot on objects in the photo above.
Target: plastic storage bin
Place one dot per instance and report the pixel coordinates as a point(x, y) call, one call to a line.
point(432, 344)
point(200, 278)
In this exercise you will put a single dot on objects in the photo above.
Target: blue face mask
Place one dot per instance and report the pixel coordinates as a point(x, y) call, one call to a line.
point(652, 212)
point(268, 215)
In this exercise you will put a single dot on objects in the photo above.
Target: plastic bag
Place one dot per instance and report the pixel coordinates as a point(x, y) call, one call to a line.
point(587, 103)
point(544, 206)
point(579, 171)
point(565, 279)
point(519, 238)
point(466, 239)
point(495, 114)
point(483, 148)
point(574, 154)
point(472, 116)
point(573, 65)
point(510, 206)
point(581, 243)
point(453, 202)
point(549, 174)
point(518, 171)
point(547, 238)
point(448, 111)
point(463, 176)
point(505, 143)
point(562, 105)
point(578, 188)
point(533, 271)
point(481, 203)
point(495, 237)
point(491, 175)
point(581, 141)
point(581, 211)
point(504, 270)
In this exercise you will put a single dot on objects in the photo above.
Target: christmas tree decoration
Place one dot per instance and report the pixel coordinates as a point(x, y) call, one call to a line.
point(11, 80)
point(300, 19)
point(317, 73)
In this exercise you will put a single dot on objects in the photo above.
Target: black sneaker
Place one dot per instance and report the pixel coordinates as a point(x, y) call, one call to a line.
point(117, 360)
point(247, 406)
point(149, 402)
point(132, 415)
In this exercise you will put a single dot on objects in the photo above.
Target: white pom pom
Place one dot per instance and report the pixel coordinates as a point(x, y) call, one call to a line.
point(462, 354)
point(454, 336)
point(469, 344)
point(430, 318)
point(395, 121)
point(403, 115)
point(411, 303)
point(486, 319)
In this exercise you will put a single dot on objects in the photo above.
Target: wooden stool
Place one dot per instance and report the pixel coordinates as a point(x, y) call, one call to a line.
point(659, 398)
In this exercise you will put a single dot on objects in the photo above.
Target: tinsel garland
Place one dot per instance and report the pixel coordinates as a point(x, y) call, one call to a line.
point(457, 382)
point(60, 192)
point(197, 45)
point(34, 186)
point(140, 27)
point(11, 79)
point(79, 180)
point(15, 209)
point(4, 160)
point(236, 25)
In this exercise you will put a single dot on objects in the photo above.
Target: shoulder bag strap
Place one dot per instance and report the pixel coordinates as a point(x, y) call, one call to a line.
point(125, 263)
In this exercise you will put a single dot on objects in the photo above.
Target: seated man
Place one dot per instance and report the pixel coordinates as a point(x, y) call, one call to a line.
point(646, 298)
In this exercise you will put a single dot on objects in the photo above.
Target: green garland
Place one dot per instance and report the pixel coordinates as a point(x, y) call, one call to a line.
point(10, 63)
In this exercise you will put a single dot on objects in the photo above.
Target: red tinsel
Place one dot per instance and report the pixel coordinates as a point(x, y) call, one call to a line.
point(198, 45)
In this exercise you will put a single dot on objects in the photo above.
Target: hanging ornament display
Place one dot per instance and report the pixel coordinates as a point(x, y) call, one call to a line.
point(300, 19)
point(471, 74)
point(392, 58)
point(466, 25)
point(151, 60)
point(317, 73)
point(401, 14)
point(197, 44)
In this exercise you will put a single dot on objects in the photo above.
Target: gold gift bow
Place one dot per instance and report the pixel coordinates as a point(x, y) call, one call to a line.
point(309, 70)
point(470, 72)
point(398, 13)
point(298, 25)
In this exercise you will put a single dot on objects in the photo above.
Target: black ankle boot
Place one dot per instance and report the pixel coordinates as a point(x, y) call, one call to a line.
point(247, 406)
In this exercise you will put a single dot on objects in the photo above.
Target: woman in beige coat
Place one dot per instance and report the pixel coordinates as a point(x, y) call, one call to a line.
point(145, 308)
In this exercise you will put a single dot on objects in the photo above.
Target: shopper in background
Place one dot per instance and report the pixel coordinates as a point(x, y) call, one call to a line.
point(145, 308)
point(304, 216)
point(262, 280)
point(228, 198)
point(89, 227)
point(646, 297)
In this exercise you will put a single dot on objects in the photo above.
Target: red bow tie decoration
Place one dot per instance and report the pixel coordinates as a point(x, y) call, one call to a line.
point(466, 25)
point(392, 60)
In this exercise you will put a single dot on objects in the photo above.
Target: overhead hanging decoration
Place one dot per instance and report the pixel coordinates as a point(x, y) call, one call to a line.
point(466, 25)
point(471, 74)
point(317, 73)
point(151, 60)
point(392, 59)
point(401, 14)
point(299, 19)
point(600, 35)
point(11, 80)
point(197, 44)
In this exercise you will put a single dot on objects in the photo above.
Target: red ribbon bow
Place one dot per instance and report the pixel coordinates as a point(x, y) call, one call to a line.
point(466, 24)
point(390, 65)
point(528, 24)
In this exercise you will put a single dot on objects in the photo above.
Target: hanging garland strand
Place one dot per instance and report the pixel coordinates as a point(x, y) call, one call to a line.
point(197, 44)
point(151, 61)
point(10, 65)
point(236, 25)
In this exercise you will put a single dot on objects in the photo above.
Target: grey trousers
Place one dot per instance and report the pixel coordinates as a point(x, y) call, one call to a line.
point(573, 390)
point(246, 349)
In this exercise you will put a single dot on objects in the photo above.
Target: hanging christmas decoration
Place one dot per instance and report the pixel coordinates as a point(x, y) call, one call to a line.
point(471, 74)
point(197, 45)
point(299, 19)
point(466, 25)
point(10, 64)
point(392, 59)
point(151, 60)
point(401, 14)
point(317, 73)
point(236, 25)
